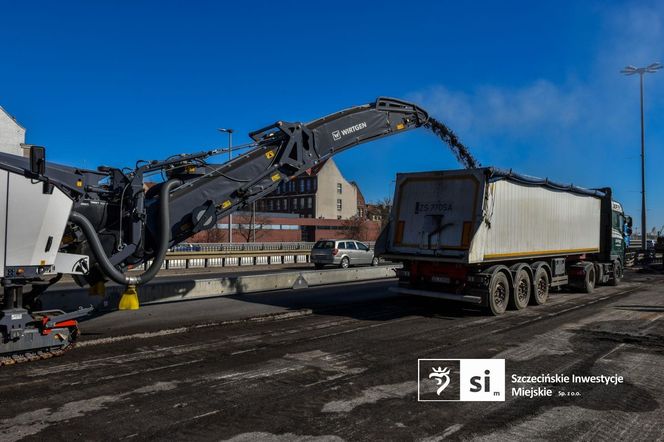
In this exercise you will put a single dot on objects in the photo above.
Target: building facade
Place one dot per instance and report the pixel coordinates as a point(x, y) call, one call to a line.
point(321, 192)
point(270, 227)
point(12, 134)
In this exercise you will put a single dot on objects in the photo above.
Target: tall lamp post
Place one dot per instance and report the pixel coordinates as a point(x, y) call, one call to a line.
point(631, 70)
point(230, 156)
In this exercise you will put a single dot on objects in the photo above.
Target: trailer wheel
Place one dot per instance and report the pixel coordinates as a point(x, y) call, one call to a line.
point(522, 290)
point(499, 293)
point(541, 287)
point(589, 280)
point(617, 273)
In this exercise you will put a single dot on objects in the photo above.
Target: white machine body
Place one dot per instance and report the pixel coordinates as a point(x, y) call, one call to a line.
point(31, 225)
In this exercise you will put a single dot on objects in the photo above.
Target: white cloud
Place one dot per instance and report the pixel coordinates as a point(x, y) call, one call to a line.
point(522, 112)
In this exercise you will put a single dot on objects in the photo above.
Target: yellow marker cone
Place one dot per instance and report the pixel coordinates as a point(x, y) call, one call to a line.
point(129, 300)
point(98, 289)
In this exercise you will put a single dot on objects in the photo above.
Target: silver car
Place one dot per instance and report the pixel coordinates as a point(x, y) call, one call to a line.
point(341, 252)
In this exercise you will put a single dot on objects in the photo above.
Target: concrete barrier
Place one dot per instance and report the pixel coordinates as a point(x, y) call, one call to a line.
point(197, 288)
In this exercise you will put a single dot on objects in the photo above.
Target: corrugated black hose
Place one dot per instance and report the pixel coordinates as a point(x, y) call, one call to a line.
point(164, 236)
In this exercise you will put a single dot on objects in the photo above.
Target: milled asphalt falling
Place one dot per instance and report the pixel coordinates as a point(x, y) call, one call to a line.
point(340, 363)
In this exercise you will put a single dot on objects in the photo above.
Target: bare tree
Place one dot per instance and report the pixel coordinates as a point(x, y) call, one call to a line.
point(356, 227)
point(244, 226)
point(215, 234)
point(381, 210)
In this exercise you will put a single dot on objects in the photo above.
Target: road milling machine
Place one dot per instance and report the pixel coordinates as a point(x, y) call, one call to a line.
point(97, 224)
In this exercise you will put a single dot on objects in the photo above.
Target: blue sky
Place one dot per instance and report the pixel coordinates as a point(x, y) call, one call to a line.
point(533, 86)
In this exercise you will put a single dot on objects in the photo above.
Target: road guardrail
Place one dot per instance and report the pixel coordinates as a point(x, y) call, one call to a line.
point(204, 255)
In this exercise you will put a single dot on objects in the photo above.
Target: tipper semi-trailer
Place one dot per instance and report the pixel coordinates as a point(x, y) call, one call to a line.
point(498, 239)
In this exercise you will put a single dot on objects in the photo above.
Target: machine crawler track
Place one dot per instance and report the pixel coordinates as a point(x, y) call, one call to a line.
point(31, 356)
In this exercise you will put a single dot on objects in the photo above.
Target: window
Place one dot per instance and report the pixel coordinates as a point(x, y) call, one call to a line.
point(339, 189)
point(301, 185)
point(294, 203)
point(350, 245)
point(309, 202)
point(285, 202)
point(339, 205)
point(342, 245)
point(278, 205)
point(308, 184)
point(302, 203)
point(362, 246)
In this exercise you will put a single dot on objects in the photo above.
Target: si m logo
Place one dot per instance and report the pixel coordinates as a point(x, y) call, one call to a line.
point(442, 377)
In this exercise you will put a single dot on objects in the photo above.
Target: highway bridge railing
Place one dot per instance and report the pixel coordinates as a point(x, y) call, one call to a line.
point(204, 255)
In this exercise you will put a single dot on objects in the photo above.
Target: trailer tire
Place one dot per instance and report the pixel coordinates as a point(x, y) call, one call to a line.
point(499, 293)
point(617, 273)
point(589, 280)
point(522, 290)
point(541, 286)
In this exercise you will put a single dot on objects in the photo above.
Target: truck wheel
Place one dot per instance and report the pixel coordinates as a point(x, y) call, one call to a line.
point(617, 273)
point(345, 263)
point(499, 293)
point(541, 287)
point(522, 290)
point(589, 280)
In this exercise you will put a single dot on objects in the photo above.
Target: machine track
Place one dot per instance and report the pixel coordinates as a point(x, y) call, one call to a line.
point(40, 354)
point(30, 356)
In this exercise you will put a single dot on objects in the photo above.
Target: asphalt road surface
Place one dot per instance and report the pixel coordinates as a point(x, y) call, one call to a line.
point(340, 363)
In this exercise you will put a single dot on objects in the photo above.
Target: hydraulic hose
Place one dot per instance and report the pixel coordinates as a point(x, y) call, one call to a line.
point(164, 236)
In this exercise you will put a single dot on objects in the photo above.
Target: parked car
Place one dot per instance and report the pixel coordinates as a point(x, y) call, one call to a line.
point(185, 247)
point(341, 252)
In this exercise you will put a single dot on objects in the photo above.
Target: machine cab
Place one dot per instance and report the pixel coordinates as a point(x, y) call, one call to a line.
point(621, 229)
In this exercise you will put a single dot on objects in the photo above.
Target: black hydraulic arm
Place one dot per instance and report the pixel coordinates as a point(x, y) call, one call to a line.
point(282, 151)
point(119, 224)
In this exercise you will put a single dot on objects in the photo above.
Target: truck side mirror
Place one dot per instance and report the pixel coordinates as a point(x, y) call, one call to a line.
point(37, 160)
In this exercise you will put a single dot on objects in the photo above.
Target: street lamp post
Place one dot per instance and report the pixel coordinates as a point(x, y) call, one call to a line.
point(631, 70)
point(230, 156)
